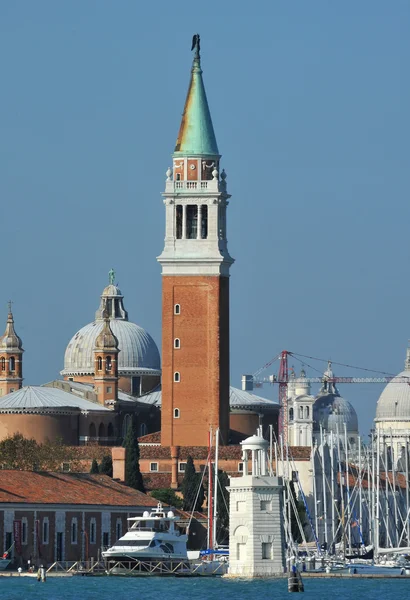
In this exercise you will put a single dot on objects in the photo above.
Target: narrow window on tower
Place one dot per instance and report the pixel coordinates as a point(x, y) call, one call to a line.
point(176, 413)
point(177, 343)
point(191, 221)
point(178, 221)
point(3, 364)
point(12, 363)
point(99, 360)
point(204, 222)
point(177, 377)
point(108, 363)
point(177, 310)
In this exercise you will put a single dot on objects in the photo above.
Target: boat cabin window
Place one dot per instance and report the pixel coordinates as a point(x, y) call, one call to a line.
point(128, 543)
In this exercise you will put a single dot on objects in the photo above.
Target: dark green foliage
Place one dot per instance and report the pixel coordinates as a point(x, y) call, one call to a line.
point(167, 496)
point(300, 507)
point(106, 465)
point(18, 452)
point(94, 467)
point(190, 486)
point(133, 476)
point(222, 523)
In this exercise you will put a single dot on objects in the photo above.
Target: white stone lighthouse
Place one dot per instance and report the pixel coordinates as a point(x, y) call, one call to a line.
point(256, 537)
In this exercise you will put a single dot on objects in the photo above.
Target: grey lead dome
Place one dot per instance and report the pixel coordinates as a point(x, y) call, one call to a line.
point(138, 353)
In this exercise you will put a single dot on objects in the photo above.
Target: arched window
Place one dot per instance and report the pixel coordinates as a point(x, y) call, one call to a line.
point(176, 413)
point(92, 431)
point(110, 430)
point(177, 377)
point(178, 216)
point(177, 309)
point(93, 531)
point(306, 412)
point(300, 412)
point(3, 363)
point(12, 363)
point(99, 363)
point(125, 424)
point(108, 363)
point(177, 343)
point(74, 531)
point(101, 430)
point(143, 429)
point(291, 414)
point(118, 528)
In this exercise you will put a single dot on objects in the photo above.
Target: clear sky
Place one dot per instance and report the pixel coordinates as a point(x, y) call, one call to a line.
point(310, 103)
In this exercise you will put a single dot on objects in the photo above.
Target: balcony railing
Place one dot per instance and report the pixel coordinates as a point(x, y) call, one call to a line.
point(213, 185)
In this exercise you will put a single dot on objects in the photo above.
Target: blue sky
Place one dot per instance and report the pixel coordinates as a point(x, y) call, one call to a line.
point(310, 103)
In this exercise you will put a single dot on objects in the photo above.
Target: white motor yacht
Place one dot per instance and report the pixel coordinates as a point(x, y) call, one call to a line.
point(152, 537)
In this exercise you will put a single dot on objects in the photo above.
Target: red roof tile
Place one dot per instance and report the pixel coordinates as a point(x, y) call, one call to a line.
point(30, 487)
point(150, 438)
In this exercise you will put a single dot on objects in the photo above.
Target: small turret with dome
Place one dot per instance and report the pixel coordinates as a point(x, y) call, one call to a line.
point(11, 359)
point(333, 412)
point(106, 364)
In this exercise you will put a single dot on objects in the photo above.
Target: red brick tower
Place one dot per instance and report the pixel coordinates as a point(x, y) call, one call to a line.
point(195, 281)
point(11, 358)
point(106, 364)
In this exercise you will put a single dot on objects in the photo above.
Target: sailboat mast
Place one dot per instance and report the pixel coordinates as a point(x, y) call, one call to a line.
point(373, 497)
point(214, 545)
point(349, 508)
point(360, 484)
point(386, 474)
point(396, 516)
point(407, 491)
point(324, 496)
point(342, 493)
point(332, 483)
point(377, 536)
point(210, 492)
point(314, 492)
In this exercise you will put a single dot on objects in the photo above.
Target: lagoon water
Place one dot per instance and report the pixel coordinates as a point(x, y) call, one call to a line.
point(160, 588)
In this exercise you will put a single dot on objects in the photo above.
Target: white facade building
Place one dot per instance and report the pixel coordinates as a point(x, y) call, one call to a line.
point(300, 407)
point(256, 536)
point(392, 420)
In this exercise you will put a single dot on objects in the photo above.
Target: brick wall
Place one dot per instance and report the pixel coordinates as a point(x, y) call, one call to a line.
point(202, 395)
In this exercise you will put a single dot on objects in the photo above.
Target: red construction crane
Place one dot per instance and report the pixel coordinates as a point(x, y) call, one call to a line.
point(282, 379)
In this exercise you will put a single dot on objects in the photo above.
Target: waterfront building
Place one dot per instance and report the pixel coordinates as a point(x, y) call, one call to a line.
point(47, 517)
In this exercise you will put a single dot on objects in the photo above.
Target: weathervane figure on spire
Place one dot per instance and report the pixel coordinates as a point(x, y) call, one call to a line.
point(196, 44)
point(111, 276)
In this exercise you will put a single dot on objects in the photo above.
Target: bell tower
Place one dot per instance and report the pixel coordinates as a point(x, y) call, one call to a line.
point(195, 280)
point(106, 364)
point(11, 358)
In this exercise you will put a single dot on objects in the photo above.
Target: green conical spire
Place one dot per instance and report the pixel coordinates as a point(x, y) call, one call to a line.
point(196, 134)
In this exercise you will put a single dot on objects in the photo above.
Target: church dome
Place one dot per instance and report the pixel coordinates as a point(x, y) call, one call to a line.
point(394, 401)
point(331, 411)
point(138, 353)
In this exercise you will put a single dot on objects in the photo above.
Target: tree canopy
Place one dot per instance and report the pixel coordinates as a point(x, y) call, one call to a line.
point(94, 467)
point(192, 488)
point(167, 496)
point(133, 477)
point(106, 465)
